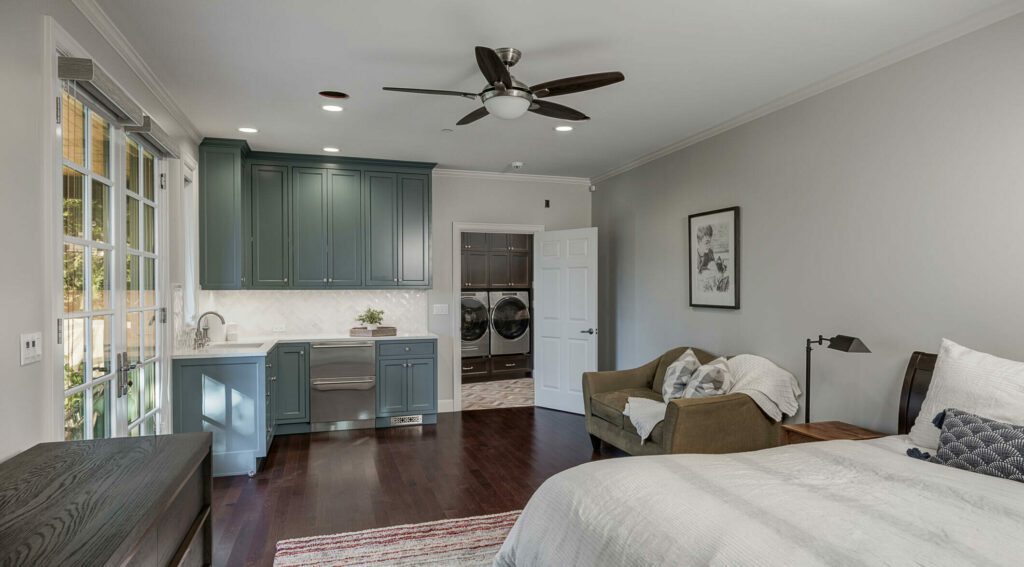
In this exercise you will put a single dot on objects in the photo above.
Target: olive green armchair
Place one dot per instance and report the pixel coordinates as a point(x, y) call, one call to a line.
point(730, 423)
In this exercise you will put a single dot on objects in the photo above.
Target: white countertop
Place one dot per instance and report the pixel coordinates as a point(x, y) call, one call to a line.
point(260, 346)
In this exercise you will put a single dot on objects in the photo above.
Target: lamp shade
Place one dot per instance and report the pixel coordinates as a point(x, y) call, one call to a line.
point(846, 343)
point(507, 107)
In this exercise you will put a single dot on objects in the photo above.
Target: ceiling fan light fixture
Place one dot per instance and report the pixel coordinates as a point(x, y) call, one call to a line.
point(507, 107)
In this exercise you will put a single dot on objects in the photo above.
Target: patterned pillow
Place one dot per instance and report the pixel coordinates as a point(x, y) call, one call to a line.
point(711, 379)
point(677, 374)
point(980, 445)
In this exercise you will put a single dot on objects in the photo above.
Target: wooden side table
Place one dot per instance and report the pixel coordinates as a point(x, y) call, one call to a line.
point(825, 431)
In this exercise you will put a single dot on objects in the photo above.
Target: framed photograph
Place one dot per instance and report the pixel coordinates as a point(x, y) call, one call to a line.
point(715, 259)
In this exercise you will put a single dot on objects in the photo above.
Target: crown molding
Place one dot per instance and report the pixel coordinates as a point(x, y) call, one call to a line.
point(99, 19)
point(495, 176)
point(972, 24)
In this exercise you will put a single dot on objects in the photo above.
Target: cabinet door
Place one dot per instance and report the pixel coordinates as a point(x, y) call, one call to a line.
point(519, 269)
point(345, 244)
point(497, 242)
point(422, 385)
point(474, 269)
point(392, 387)
point(413, 230)
point(519, 242)
point(270, 220)
point(498, 270)
point(474, 241)
point(271, 394)
point(309, 227)
point(291, 404)
point(220, 217)
point(381, 206)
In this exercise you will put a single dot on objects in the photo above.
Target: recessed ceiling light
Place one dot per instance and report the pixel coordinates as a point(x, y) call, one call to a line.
point(248, 130)
point(332, 108)
point(563, 128)
point(333, 94)
point(332, 150)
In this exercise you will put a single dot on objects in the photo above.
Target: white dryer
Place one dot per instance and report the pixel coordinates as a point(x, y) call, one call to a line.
point(510, 322)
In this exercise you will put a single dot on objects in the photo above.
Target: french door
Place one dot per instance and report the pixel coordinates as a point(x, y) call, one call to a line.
point(110, 329)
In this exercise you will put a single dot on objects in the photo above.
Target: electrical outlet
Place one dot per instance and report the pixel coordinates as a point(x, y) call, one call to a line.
point(31, 348)
point(440, 309)
point(278, 328)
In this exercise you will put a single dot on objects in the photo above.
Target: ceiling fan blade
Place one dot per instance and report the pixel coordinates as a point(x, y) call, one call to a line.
point(473, 116)
point(554, 110)
point(576, 84)
point(432, 92)
point(492, 67)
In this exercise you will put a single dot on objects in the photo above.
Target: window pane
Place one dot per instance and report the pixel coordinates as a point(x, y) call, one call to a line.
point(134, 403)
point(132, 223)
point(131, 328)
point(149, 227)
point(150, 387)
point(74, 352)
point(149, 297)
point(131, 166)
point(74, 417)
point(149, 426)
point(73, 129)
point(100, 415)
point(147, 175)
point(148, 334)
point(102, 364)
point(100, 145)
point(133, 280)
point(134, 432)
point(100, 279)
point(74, 278)
point(100, 212)
point(74, 192)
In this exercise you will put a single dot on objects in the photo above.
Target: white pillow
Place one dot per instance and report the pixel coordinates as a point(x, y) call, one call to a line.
point(711, 379)
point(974, 382)
point(677, 374)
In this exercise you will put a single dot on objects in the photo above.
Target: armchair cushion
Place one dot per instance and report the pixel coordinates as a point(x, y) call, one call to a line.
point(609, 405)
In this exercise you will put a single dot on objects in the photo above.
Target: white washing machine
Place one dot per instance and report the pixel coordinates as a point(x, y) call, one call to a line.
point(476, 329)
point(510, 322)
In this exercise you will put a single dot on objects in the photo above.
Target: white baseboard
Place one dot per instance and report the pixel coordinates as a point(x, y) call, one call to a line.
point(445, 406)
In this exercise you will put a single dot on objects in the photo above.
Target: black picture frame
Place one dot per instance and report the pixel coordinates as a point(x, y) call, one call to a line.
point(720, 300)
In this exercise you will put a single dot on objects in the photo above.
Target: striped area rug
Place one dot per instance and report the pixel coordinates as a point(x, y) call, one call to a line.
point(463, 541)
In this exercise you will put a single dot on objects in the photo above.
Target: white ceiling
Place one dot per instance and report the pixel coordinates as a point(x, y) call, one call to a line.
point(689, 66)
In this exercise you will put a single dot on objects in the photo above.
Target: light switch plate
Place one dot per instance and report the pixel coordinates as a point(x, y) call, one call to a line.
point(440, 309)
point(279, 328)
point(31, 348)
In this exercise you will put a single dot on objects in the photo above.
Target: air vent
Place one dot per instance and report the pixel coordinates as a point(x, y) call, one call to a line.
point(407, 420)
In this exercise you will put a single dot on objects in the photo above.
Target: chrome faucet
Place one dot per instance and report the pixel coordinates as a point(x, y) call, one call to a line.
point(202, 336)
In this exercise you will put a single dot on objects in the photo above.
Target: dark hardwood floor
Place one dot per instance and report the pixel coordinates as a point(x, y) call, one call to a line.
point(470, 463)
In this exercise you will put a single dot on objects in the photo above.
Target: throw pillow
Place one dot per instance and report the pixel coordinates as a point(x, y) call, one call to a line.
point(677, 374)
point(980, 445)
point(711, 379)
point(971, 381)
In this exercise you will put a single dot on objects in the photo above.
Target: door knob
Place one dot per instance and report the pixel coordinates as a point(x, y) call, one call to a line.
point(589, 331)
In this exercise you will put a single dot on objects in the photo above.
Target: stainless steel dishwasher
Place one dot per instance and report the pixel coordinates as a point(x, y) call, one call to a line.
point(342, 385)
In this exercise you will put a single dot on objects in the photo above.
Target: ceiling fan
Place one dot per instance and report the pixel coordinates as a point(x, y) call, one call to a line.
point(507, 97)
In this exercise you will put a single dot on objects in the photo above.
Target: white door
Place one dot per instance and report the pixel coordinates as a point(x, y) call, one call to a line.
point(565, 316)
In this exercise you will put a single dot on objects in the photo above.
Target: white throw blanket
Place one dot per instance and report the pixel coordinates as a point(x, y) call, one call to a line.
point(645, 415)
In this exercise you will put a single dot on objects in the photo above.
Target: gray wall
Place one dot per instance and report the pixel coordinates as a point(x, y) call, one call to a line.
point(888, 208)
point(30, 404)
point(488, 199)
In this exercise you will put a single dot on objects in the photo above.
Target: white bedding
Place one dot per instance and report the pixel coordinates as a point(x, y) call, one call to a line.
point(825, 503)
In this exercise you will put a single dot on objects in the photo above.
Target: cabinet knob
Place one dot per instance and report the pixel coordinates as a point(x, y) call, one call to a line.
point(325, 280)
point(396, 280)
point(269, 365)
point(273, 378)
point(510, 365)
point(407, 349)
point(330, 279)
point(286, 280)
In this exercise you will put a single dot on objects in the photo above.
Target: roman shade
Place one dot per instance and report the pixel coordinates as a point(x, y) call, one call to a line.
point(91, 79)
point(152, 133)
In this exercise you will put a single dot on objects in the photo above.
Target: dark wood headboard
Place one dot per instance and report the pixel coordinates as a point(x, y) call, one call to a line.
point(915, 386)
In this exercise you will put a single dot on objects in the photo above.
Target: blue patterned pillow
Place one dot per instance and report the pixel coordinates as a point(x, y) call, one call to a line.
point(976, 444)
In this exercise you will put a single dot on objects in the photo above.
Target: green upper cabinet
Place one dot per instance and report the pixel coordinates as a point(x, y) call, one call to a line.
point(345, 229)
point(413, 230)
point(220, 213)
point(309, 232)
point(381, 229)
point(311, 222)
point(270, 226)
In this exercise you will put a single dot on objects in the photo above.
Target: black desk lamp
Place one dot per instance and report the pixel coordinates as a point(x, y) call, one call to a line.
point(842, 343)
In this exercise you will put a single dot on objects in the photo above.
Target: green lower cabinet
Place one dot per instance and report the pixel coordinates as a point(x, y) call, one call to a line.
point(228, 398)
point(406, 381)
point(392, 393)
point(422, 386)
point(271, 398)
point(291, 389)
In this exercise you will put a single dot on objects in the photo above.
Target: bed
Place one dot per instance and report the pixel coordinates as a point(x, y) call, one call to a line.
point(826, 503)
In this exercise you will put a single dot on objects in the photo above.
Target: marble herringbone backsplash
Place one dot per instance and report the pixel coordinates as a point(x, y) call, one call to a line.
point(259, 312)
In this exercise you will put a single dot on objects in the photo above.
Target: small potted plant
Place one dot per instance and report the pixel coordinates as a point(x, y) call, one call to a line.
point(371, 318)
